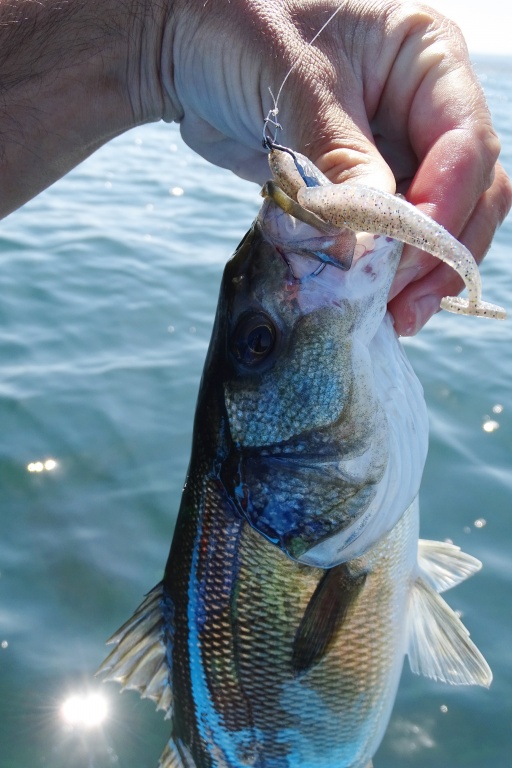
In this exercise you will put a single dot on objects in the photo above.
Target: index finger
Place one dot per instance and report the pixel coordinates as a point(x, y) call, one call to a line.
point(448, 186)
point(420, 299)
point(450, 131)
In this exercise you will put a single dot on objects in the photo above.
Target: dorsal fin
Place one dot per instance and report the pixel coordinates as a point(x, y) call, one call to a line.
point(171, 757)
point(439, 644)
point(140, 657)
point(444, 564)
point(324, 615)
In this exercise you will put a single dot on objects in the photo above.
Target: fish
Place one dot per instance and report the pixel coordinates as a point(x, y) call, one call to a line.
point(296, 581)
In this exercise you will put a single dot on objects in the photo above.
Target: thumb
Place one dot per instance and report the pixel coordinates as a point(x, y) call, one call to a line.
point(350, 155)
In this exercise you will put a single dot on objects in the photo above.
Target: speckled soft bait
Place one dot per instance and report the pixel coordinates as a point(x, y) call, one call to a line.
point(296, 582)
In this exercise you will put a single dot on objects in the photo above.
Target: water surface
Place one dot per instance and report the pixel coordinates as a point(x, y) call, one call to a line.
point(109, 285)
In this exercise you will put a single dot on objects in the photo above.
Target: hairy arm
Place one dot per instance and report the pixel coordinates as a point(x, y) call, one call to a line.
point(73, 74)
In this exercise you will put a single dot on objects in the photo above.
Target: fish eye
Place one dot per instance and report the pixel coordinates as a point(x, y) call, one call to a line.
point(254, 338)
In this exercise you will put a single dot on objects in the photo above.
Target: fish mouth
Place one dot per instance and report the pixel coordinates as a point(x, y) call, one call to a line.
point(346, 265)
point(294, 230)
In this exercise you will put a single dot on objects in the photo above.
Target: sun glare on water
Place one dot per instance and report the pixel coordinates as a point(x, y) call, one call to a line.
point(85, 710)
point(83, 718)
point(42, 466)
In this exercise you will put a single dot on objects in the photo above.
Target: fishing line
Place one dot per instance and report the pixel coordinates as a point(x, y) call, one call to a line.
point(270, 142)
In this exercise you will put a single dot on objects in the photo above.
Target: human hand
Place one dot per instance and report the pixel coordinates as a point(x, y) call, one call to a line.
point(385, 97)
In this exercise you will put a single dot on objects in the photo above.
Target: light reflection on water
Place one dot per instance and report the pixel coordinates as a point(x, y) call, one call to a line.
point(87, 709)
point(81, 738)
point(409, 738)
point(48, 465)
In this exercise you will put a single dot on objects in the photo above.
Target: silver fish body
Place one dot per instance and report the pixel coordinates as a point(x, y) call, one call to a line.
point(296, 582)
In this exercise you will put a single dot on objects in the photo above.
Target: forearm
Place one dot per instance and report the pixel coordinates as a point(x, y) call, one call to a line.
point(72, 76)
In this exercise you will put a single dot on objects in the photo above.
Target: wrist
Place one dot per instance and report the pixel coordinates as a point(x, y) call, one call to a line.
point(150, 64)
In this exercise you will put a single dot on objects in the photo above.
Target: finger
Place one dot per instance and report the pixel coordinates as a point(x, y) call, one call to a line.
point(333, 127)
point(353, 158)
point(341, 144)
point(415, 304)
point(448, 186)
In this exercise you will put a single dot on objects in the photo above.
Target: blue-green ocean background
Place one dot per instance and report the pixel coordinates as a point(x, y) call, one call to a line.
point(108, 287)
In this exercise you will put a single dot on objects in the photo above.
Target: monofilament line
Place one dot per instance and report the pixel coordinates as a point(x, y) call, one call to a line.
point(299, 57)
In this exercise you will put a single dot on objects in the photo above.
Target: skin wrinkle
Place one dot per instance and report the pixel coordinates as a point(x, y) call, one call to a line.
point(153, 46)
point(186, 40)
point(310, 63)
point(438, 68)
point(397, 83)
point(400, 72)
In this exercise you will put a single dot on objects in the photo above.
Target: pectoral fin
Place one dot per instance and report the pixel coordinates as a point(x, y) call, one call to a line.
point(326, 611)
point(439, 644)
point(444, 565)
point(140, 659)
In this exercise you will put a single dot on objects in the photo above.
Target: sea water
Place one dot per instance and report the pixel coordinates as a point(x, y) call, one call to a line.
point(108, 287)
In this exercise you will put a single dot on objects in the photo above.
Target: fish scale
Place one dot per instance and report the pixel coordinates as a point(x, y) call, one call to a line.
point(243, 665)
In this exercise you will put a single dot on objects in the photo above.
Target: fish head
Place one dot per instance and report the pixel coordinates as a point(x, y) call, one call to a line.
point(303, 444)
